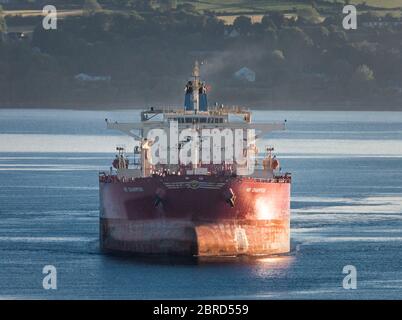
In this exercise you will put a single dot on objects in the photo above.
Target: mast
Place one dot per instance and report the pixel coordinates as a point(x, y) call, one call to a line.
point(196, 87)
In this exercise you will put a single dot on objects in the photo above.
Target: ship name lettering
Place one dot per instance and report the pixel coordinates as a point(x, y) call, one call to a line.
point(256, 190)
point(133, 189)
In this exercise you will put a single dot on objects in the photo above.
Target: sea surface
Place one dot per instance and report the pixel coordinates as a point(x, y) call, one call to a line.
point(346, 210)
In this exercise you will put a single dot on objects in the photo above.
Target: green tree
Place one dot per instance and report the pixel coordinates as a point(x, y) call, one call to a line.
point(362, 82)
point(129, 3)
point(3, 26)
point(243, 24)
point(187, 7)
point(363, 74)
point(172, 4)
point(168, 4)
point(278, 19)
point(294, 39)
point(340, 69)
point(277, 56)
point(310, 15)
point(267, 22)
point(92, 6)
point(314, 4)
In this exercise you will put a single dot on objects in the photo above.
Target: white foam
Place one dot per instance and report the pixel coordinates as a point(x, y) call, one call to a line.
point(390, 205)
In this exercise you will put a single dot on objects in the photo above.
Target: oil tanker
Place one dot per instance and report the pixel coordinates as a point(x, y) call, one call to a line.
point(174, 198)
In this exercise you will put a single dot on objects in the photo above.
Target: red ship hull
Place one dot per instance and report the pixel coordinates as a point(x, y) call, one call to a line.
point(195, 215)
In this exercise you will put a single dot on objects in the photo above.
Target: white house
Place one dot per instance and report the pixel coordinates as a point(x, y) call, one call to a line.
point(87, 77)
point(245, 74)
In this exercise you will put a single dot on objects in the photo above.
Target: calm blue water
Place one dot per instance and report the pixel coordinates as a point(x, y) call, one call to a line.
point(346, 210)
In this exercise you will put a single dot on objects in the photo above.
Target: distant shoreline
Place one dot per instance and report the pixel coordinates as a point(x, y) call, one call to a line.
point(276, 107)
